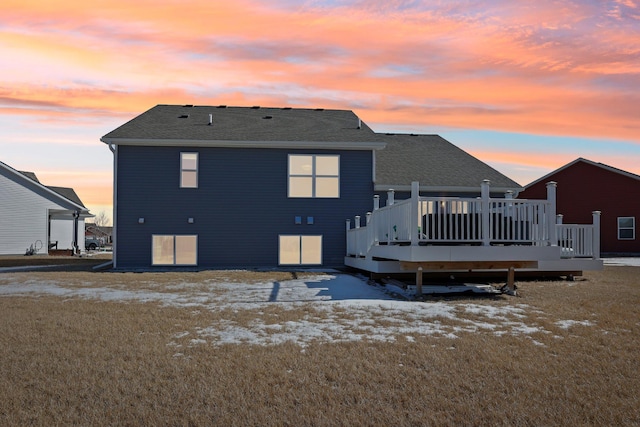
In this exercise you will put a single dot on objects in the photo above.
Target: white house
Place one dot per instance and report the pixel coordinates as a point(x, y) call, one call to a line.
point(35, 218)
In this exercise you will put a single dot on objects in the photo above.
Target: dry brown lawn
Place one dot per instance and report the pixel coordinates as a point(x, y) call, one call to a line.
point(78, 361)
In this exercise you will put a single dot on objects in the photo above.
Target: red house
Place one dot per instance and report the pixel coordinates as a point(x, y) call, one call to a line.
point(585, 186)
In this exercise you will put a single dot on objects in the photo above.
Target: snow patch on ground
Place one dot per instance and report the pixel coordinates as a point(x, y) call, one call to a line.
point(336, 307)
point(625, 261)
point(566, 324)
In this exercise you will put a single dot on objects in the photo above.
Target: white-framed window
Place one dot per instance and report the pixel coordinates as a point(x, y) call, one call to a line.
point(314, 175)
point(626, 228)
point(174, 250)
point(188, 170)
point(300, 250)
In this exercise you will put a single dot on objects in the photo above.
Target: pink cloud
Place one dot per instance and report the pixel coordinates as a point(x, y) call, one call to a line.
point(506, 65)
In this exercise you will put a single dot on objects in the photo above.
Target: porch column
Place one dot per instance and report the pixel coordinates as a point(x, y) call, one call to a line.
point(596, 234)
point(551, 214)
point(414, 232)
point(485, 193)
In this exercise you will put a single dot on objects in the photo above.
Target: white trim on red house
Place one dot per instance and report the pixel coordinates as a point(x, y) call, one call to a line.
point(592, 163)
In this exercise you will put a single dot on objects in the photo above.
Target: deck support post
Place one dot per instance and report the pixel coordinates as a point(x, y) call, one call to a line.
point(415, 214)
point(551, 213)
point(485, 194)
point(419, 282)
point(511, 278)
point(596, 234)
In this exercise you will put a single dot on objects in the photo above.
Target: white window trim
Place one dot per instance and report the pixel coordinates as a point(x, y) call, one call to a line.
point(313, 176)
point(632, 228)
point(174, 249)
point(183, 169)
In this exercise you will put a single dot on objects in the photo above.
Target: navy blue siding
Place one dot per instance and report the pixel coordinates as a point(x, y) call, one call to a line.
point(239, 208)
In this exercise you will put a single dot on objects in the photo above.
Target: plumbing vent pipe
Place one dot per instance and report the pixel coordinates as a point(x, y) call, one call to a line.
point(359, 123)
point(210, 119)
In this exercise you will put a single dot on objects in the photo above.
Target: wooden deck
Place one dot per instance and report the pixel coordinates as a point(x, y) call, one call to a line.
point(445, 233)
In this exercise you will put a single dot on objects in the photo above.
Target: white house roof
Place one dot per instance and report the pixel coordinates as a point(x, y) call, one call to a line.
point(64, 195)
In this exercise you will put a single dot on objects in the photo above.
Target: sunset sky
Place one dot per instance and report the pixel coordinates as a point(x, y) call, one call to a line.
point(525, 86)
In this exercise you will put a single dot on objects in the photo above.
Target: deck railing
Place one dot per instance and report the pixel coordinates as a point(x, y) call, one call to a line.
point(472, 221)
point(580, 240)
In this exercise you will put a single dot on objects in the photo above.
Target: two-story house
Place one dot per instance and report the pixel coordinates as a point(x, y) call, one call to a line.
point(203, 186)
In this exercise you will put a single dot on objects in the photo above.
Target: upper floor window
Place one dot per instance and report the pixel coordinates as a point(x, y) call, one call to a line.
point(314, 175)
point(626, 228)
point(188, 170)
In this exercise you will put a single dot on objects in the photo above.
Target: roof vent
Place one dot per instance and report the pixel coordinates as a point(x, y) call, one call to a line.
point(255, 107)
point(319, 109)
point(210, 119)
point(183, 116)
point(286, 108)
point(221, 106)
point(188, 106)
point(268, 117)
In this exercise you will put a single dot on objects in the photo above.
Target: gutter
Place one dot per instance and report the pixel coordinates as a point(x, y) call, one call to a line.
point(336, 145)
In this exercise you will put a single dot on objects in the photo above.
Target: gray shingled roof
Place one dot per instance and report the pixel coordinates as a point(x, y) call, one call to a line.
point(175, 122)
point(30, 175)
point(429, 159)
point(67, 193)
point(434, 162)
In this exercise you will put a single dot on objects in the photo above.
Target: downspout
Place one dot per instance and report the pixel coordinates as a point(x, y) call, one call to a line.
point(114, 233)
point(76, 217)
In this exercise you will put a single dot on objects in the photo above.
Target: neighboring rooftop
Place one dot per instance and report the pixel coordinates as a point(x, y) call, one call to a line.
point(64, 192)
point(30, 175)
point(68, 193)
point(588, 162)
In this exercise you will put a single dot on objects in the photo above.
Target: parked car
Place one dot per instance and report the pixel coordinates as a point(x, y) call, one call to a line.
point(92, 244)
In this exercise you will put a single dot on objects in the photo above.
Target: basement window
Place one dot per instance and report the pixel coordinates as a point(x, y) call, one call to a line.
point(626, 228)
point(174, 250)
point(300, 250)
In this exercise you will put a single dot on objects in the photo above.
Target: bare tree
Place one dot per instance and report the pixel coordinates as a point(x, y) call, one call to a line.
point(101, 219)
